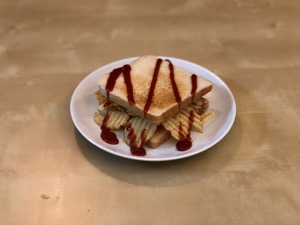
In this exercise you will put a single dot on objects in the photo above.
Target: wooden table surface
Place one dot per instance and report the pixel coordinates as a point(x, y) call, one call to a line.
point(50, 174)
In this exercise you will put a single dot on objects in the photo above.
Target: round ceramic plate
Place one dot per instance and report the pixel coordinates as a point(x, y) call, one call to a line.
point(84, 104)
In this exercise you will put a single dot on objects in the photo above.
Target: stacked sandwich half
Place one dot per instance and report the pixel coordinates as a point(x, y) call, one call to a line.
point(152, 100)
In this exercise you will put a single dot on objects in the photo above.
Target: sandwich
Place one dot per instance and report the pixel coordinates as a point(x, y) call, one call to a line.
point(152, 100)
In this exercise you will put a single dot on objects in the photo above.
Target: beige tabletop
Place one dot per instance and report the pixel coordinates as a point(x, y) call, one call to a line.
point(50, 174)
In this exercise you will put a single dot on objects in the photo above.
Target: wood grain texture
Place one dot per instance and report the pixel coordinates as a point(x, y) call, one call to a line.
point(49, 174)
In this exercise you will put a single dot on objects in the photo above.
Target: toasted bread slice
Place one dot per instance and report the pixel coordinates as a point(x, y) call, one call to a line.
point(160, 136)
point(154, 98)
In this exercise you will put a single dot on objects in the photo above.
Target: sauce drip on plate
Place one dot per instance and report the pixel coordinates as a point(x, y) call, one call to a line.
point(136, 150)
point(186, 142)
point(106, 134)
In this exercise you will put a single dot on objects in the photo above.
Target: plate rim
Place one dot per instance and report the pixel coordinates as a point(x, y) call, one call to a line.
point(132, 157)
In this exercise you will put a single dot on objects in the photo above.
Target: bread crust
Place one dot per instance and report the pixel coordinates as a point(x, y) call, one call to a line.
point(160, 136)
point(163, 104)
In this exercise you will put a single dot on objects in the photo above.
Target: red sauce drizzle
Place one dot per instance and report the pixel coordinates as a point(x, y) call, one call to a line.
point(186, 143)
point(180, 133)
point(152, 87)
point(114, 75)
point(106, 134)
point(194, 85)
point(131, 135)
point(111, 81)
point(106, 104)
point(174, 85)
point(128, 83)
point(143, 137)
point(137, 151)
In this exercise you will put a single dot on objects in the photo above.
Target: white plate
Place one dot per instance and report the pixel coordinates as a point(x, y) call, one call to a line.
point(84, 104)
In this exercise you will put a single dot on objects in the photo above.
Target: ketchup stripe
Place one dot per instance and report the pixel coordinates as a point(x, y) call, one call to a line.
point(152, 87)
point(127, 78)
point(111, 81)
point(186, 143)
point(106, 134)
point(191, 121)
point(114, 75)
point(174, 85)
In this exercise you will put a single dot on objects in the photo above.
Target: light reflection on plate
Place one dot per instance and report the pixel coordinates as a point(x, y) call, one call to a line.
point(84, 104)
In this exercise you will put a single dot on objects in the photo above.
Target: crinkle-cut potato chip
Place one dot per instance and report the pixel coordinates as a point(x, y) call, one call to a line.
point(179, 124)
point(173, 124)
point(101, 108)
point(101, 99)
point(138, 131)
point(207, 116)
point(98, 118)
point(112, 107)
point(197, 122)
point(116, 120)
